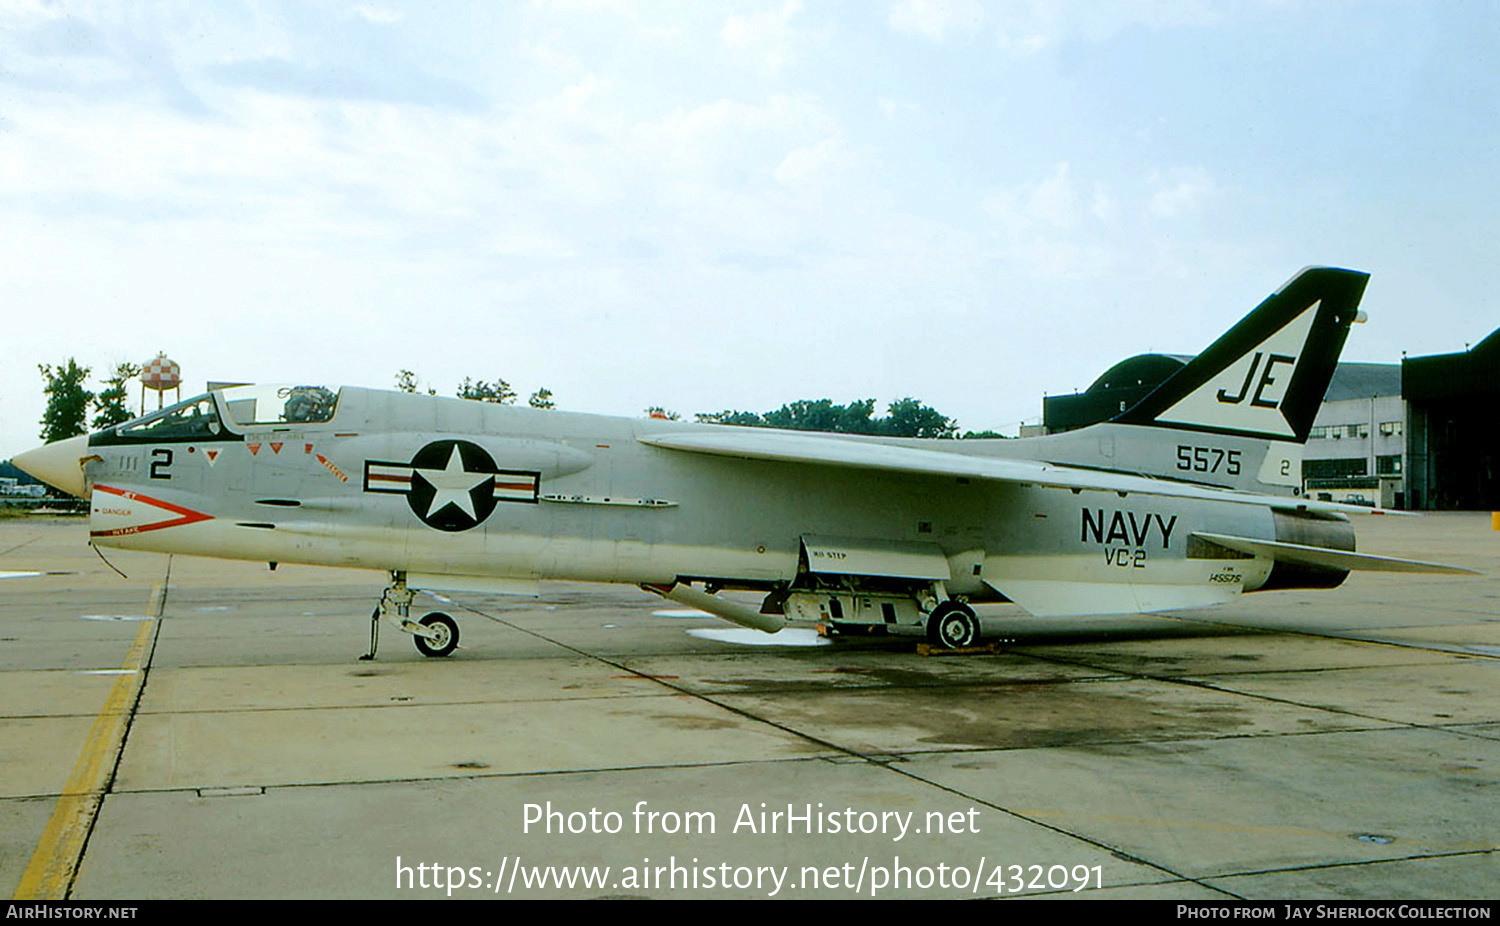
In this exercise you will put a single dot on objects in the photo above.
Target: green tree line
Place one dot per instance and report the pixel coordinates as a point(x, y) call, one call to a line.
point(499, 391)
point(906, 417)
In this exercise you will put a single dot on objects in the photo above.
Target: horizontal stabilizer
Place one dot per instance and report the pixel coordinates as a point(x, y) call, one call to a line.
point(1283, 552)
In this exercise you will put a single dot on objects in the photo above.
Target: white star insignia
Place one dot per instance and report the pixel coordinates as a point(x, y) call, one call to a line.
point(453, 484)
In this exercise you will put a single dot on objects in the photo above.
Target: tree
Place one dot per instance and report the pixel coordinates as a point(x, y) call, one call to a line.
point(542, 398)
point(406, 381)
point(67, 401)
point(656, 411)
point(743, 419)
point(910, 418)
point(498, 392)
point(111, 399)
point(823, 415)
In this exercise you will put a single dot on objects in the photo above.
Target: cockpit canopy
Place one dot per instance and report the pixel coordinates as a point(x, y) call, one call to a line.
point(198, 418)
point(249, 405)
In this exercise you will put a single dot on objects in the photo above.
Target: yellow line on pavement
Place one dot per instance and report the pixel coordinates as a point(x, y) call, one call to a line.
point(49, 875)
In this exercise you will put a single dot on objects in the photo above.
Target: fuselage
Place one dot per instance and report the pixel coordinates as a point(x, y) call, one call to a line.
point(430, 485)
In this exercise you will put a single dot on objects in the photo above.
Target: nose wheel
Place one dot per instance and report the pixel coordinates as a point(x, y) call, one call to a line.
point(442, 638)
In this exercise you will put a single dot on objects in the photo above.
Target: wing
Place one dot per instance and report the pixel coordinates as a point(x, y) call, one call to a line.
point(788, 447)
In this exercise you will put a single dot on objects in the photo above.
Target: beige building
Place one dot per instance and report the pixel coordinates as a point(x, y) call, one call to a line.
point(1357, 448)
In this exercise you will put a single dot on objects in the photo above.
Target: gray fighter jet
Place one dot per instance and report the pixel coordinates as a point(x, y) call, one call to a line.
point(1185, 500)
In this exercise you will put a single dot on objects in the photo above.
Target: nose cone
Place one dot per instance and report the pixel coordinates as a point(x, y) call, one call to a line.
point(59, 464)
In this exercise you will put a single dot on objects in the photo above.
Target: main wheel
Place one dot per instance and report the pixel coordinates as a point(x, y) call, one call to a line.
point(446, 639)
point(953, 625)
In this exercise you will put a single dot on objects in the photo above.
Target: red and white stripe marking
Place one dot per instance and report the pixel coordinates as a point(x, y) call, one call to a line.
point(118, 512)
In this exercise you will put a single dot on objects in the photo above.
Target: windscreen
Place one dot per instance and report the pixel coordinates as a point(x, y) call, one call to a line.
point(196, 418)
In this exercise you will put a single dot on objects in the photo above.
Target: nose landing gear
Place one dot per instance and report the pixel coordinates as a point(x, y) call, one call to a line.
point(435, 635)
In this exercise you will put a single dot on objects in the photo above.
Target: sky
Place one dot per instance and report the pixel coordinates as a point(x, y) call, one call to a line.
point(729, 205)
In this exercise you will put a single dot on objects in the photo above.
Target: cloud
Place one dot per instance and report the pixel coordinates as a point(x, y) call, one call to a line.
point(1050, 229)
point(394, 84)
point(1104, 207)
point(28, 12)
point(1180, 192)
point(809, 163)
point(1028, 26)
point(766, 35)
point(381, 16)
point(935, 19)
point(1050, 203)
point(892, 108)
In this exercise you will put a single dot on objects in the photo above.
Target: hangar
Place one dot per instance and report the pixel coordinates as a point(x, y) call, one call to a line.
point(1452, 442)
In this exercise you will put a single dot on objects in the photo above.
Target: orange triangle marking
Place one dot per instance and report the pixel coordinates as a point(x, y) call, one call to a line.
point(276, 446)
point(254, 449)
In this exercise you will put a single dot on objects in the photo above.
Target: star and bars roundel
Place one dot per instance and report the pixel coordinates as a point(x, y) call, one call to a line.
point(452, 485)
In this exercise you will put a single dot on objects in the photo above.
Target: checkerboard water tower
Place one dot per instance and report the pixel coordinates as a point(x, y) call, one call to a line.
point(161, 375)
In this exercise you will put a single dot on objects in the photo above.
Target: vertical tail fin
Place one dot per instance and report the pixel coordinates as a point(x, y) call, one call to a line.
point(1268, 374)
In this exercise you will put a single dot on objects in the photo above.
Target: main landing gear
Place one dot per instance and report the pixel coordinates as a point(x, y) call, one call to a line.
point(880, 604)
point(435, 635)
point(953, 625)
